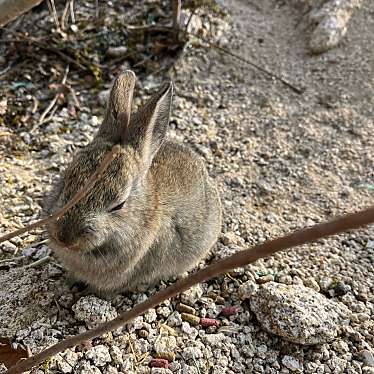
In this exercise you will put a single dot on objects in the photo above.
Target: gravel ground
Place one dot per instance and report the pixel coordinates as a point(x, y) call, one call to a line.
point(282, 161)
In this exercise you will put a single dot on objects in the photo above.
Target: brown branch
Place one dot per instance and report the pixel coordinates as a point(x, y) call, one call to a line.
point(52, 103)
point(77, 197)
point(347, 222)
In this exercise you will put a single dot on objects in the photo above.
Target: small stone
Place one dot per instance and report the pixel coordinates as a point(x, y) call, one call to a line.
point(84, 367)
point(298, 313)
point(292, 363)
point(230, 238)
point(93, 311)
point(192, 294)
point(340, 346)
point(332, 20)
point(8, 247)
point(190, 318)
point(160, 371)
point(165, 344)
point(362, 296)
point(341, 289)
point(150, 315)
point(367, 357)
point(99, 354)
point(164, 311)
point(128, 363)
point(116, 354)
point(312, 283)
point(183, 308)
point(111, 370)
point(266, 278)
point(174, 319)
point(247, 290)
point(285, 279)
point(116, 51)
point(193, 353)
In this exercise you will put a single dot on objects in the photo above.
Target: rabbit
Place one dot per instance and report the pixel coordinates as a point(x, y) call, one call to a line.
point(153, 215)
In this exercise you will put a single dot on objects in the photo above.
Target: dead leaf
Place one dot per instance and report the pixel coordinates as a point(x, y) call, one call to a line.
point(9, 356)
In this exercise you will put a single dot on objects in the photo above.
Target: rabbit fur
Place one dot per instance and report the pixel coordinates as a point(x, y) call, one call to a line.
point(154, 214)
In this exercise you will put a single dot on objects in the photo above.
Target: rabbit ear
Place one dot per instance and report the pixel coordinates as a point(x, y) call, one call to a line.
point(148, 126)
point(118, 111)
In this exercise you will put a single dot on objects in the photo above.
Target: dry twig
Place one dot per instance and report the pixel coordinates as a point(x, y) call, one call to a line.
point(52, 103)
point(347, 222)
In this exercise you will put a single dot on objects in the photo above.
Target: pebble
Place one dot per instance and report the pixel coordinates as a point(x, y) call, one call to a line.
point(193, 353)
point(341, 288)
point(265, 278)
point(150, 315)
point(99, 355)
point(332, 20)
point(297, 313)
point(93, 311)
point(230, 238)
point(116, 355)
point(367, 357)
point(192, 295)
point(116, 51)
point(165, 344)
point(84, 367)
point(292, 363)
point(247, 290)
point(161, 371)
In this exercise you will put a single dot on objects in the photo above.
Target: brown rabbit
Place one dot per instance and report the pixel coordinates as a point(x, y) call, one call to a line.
point(155, 213)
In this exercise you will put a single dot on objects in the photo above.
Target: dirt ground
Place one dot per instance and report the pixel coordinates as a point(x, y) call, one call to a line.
point(282, 161)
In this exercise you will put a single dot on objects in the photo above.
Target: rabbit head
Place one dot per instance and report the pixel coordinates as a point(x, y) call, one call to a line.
point(118, 201)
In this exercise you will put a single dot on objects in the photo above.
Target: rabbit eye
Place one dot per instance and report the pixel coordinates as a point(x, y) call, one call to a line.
point(118, 207)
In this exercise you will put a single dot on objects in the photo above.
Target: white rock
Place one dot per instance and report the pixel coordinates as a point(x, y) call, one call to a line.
point(292, 363)
point(84, 367)
point(99, 354)
point(192, 353)
point(128, 363)
point(297, 313)
point(111, 370)
point(175, 319)
point(367, 358)
point(192, 294)
point(150, 316)
point(161, 371)
point(93, 311)
point(332, 19)
point(165, 344)
point(116, 354)
point(247, 289)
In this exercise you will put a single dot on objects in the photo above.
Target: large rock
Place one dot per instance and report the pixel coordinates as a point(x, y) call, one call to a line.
point(297, 313)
